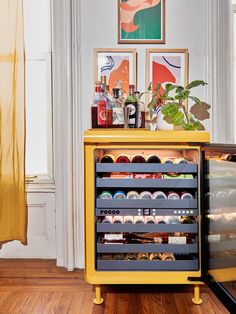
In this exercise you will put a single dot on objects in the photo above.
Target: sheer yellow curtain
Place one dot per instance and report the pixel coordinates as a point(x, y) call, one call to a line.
point(13, 214)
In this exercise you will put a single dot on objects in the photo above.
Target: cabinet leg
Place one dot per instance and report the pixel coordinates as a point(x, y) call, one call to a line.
point(98, 299)
point(196, 299)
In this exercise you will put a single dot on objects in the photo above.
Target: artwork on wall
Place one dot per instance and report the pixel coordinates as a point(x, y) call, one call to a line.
point(141, 21)
point(116, 64)
point(166, 65)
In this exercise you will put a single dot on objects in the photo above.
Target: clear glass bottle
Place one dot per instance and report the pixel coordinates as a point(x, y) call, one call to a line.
point(131, 109)
point(94, 106)
point(117, 109)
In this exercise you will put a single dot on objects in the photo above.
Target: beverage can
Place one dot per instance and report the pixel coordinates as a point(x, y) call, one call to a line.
point(105, 195)
point(119, 195)
point(173, 196)
point(159, 195)
point(132, 195)
point(186, 195)
point(145, 195)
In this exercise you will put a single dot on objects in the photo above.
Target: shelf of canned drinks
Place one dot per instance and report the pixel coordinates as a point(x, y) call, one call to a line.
point(146, 183)
point(145, 167)
point(148, 265)
point(119, 227)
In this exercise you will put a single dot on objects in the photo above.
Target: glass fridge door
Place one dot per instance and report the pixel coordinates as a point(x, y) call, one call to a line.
point(219, 221)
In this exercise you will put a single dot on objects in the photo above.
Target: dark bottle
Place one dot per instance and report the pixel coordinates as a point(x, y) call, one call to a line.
point(141, 112)
point(122, 159)
point(108, 158)
point(109, 111)
point(131, 109)
point(138, 159)
point(153, 159)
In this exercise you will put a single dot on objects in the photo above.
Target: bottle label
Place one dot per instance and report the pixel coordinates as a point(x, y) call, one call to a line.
point(118, 116)
point(102, 113)
point(177, 240)
point(132, 110)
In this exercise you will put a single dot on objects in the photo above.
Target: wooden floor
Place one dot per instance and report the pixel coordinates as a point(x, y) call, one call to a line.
point(38, 286)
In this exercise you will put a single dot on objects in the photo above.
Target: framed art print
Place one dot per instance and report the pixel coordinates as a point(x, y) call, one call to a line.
point(116, 64)
point(166, 66)
point(141, 21)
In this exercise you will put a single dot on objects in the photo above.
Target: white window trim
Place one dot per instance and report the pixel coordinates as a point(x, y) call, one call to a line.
point(217, 66)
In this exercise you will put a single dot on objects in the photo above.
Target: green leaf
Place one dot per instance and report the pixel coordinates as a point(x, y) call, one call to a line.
point(157, 87)
point(179, 89)
point(178, 118)
point(170, 109)
point(169, 87)
point(184, 95)
point(197, 100)
point(192, 126)
point(195, 83)
point(149, 87)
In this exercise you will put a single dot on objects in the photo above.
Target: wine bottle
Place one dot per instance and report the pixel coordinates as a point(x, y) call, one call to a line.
point(122, 159)
point(131, 109)
point(128, 219)
point(173, 196)
point(138, 159)
point(118, 219)
point(107, 219)
point(186, 195)
point(107, 158)
point(94, 107)
point(149, 220)
point(153, 159)
point(138, 220)
point(131, 257)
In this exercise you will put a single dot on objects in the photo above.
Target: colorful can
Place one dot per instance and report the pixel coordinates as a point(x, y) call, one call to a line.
point(119, 195)
point(132, 195)
point(105, 195)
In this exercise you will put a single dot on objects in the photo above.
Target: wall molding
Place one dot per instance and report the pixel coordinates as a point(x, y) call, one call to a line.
point(217, 66)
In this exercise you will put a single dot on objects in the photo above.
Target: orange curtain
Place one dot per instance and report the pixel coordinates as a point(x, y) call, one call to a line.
point(13, 214)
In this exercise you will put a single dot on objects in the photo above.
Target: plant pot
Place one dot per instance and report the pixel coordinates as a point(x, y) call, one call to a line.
point(162, 124)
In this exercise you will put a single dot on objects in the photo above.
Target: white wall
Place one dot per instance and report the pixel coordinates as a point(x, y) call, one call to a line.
point(184, 29)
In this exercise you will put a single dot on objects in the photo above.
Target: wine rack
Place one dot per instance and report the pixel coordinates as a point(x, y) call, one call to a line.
point(154, 207)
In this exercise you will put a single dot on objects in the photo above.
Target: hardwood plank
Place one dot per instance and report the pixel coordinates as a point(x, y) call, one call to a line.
point(38, 286)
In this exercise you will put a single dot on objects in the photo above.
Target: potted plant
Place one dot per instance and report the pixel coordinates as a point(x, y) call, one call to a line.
point(167, 108)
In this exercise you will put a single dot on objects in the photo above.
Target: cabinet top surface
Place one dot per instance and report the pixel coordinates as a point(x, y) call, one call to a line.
point(144, 136)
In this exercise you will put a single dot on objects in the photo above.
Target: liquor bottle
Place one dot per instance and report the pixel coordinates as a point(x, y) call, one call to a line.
point(118, 118)
point(122, 159)
point(138, 159)
point(109, 110)
point(102, 105)
point(94, 107)
point(107, 158)
point(141, 111)
point(131, 109)
point(167, 160)
point(153, 159)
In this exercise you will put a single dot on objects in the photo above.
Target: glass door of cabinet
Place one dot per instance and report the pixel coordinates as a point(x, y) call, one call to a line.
point(219, 222)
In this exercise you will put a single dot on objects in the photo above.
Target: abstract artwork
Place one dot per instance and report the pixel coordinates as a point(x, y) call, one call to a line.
point(116, 64)
point(141, 21)
point(164, 66)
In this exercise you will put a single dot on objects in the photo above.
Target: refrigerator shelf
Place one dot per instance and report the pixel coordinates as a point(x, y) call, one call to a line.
point(223, 246)
point(146, 183)
point(146, 203)
point(147, 248)
point(117, 227)
point(150, 168)
point(157, 212)
point(181, 265)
